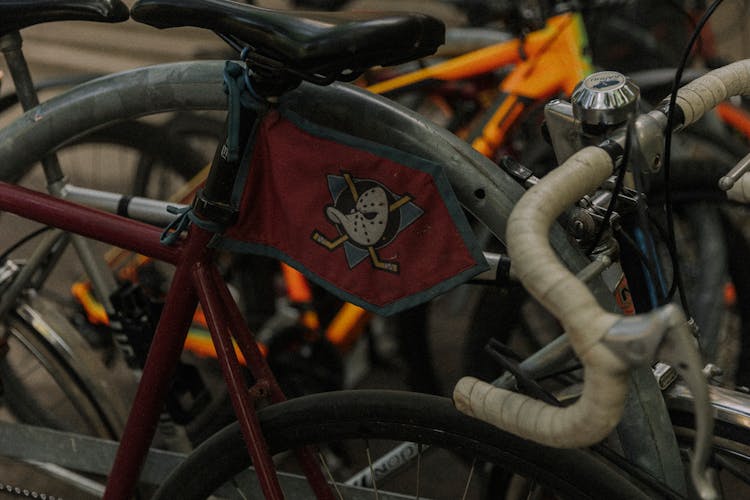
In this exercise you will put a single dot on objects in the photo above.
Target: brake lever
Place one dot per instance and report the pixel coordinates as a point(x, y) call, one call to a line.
point(679, 349)
point(665, 334)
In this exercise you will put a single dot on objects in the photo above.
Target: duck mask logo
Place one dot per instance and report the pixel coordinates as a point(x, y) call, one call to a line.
point(375, 226)
point(368, 216)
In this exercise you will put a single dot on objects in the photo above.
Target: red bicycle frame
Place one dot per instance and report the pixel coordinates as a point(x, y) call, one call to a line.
point(196, 280)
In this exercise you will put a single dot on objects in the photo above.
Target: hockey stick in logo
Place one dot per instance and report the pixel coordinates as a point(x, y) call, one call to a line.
point(365, 219)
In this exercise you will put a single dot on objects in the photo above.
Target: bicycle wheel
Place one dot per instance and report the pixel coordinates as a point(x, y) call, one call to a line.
point(346, 426)
point(132, 157)
point(139, 158)
point(50, 378)
point(42, 388)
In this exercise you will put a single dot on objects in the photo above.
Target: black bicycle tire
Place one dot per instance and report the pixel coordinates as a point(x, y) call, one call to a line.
point(24, 406)
point(399, 416)
point(154, 144)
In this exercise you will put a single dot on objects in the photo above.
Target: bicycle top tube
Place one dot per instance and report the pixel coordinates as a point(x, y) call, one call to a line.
point(314, 45)
point(24, 13)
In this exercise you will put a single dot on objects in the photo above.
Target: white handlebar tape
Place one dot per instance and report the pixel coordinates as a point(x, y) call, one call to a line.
point(593, 416)
point(705, 92)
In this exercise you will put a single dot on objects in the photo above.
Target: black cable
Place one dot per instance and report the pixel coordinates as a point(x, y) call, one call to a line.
point(4, 256)
point(671, 243)
point(682, 10)
point(619, 182)
point(645, 227)
point(232, 41)
point(561, 372)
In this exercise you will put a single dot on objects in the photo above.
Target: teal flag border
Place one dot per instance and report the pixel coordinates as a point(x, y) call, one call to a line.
point(395, 155)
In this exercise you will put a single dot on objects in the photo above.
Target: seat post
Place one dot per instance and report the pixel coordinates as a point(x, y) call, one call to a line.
point(214, 202)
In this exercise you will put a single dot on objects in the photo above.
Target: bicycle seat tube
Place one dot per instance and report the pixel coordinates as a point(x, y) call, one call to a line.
point(214, 202)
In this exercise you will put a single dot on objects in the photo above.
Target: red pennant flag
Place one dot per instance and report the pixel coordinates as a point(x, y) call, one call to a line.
point(376, 226)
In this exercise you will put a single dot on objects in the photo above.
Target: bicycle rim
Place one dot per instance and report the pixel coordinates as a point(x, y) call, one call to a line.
point(40, 388)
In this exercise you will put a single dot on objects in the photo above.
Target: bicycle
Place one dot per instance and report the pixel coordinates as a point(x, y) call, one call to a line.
point(342, 337)
point(467, 191)
point(520, 89)
point(481, 188)
point(544, 232)
point(655, 120)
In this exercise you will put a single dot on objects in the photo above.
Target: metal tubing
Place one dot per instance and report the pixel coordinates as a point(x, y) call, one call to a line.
point(162, 359)
point(244, 405)
point(112, 229)
point(135, 207)
point(11, 44)
point(256, 363)
point(262, 372)
point(23, 279)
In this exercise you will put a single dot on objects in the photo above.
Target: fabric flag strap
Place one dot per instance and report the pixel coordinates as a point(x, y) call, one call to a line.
point(375, 226)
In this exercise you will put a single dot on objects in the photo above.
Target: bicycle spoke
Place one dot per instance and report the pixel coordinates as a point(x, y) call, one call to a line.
point(419, 467)
point(468, 479)
point(372, 469)
point(324, 463)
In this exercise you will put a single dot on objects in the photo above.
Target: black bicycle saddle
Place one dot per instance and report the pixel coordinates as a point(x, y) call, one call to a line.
point(17, 14)
point(333, 45)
